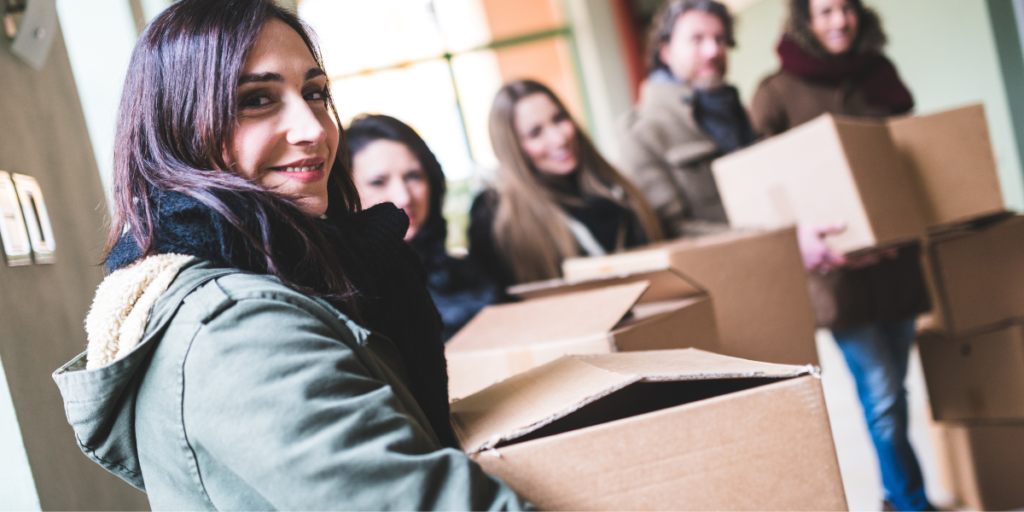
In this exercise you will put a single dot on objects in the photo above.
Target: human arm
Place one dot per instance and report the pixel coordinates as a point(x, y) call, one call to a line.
point(282, 396)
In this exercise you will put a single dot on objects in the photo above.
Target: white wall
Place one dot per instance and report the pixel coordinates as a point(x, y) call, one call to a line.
point(603, 69)
point(17, 487)
point(944, 49)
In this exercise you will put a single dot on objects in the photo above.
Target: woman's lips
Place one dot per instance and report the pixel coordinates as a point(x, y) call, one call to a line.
point(304, 174)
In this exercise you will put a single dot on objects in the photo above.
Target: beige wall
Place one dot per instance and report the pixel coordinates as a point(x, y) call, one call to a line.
point(42, 307)
point(944, 49)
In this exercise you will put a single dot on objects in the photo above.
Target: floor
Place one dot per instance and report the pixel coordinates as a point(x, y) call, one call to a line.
point(857, 459)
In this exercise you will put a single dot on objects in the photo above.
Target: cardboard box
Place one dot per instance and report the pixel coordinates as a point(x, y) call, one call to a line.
point(508, 339)
point(657, 430)
point(887, 180)
point(756, 278)
point(949, 155)
point(977, 276)
point(983, 463)
point(978, 377)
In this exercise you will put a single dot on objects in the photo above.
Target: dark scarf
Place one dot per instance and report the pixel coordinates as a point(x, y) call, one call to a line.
point(872, 71)
point(387, 273)
point(721, 115)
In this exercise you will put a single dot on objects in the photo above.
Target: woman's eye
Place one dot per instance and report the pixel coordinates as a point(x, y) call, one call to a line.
point(416, 176)
point(256, 101)
point(378, 183)
point(318, 95)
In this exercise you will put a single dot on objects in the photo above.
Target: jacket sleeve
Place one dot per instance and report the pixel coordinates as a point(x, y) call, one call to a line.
point(652, 175)
point(278, 400)
point(767, 113)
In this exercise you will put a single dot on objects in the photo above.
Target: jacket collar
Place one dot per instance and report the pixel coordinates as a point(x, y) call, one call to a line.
point(659, 96)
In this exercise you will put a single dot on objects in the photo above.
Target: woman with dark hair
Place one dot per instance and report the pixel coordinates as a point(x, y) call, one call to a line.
point(832, 62)
point(228, 366)
point(556, 197)
point(392, 163)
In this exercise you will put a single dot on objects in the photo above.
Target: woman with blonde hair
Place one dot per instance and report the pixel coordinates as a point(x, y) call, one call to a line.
point(555, 197)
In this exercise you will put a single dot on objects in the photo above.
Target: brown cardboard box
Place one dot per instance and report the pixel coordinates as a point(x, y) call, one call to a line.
point(982, 464)
point(756, 279)
point(949, 155)
point(888, 181)
point(979, 377)
point(657, 430)
point(825, 171)
point(977, 276)
point(508, 339)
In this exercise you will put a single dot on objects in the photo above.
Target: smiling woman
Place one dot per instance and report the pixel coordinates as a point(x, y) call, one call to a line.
point(233, 359)
point(556, 196)
point(285, 135)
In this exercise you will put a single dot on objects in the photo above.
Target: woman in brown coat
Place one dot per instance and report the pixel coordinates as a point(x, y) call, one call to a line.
point(832, 62)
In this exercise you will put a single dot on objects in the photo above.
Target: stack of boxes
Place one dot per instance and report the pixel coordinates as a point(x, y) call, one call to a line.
point(973, 359)
point(900, 181)
point(534, 417)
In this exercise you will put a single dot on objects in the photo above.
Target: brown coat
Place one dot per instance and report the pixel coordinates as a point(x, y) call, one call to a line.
point(669, 158)
point(891, 290)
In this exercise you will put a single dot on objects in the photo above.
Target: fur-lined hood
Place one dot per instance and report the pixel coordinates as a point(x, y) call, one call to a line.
point(120, 309)
point(870, 39)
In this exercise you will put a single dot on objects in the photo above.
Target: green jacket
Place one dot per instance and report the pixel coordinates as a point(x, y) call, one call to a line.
point(242, 393)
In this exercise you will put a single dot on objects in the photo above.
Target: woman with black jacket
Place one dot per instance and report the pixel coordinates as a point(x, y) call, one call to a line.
point(392, 163)
point(555, 196)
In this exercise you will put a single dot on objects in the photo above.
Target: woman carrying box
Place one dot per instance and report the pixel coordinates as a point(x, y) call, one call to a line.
point(832, 63)
point(229, 363)
point(556, 197)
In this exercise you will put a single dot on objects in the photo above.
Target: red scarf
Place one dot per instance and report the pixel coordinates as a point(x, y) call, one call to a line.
point(875, 74)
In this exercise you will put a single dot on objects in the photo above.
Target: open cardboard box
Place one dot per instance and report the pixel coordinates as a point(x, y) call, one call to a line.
point(887, 180)
point(507, 339)
point(979, 377)
point(981, 463)
point(756, 278)
point(977, 276)
point(657, 430)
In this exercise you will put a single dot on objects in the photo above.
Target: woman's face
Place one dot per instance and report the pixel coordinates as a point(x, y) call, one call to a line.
point(386, 171)
point(834, 23)
point(546, 134)
point(285, 138)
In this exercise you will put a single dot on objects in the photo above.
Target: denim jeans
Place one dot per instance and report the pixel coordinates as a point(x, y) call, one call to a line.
point(878, 356)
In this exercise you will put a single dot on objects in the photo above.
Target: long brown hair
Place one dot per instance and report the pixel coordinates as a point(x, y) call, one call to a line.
point(526, 232)
point(175, 125)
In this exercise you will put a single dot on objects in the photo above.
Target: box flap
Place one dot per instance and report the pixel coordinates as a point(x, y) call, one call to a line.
point(666, 284)
point(690, 364)
point(526, 402)
point(573, 315)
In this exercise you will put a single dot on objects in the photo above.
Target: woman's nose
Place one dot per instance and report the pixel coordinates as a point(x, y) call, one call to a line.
point(399, 195)
point(303, 126)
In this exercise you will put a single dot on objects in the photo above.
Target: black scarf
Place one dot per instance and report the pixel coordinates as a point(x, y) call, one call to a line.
point(722, 117)
point(386, 272)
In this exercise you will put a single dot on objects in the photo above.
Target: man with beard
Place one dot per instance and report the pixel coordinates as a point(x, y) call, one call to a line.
point(685, 118)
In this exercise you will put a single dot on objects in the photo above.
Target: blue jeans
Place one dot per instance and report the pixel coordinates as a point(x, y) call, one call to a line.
point(878, 355)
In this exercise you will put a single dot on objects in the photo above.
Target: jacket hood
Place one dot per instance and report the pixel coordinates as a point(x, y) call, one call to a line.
point(871, 37)
point(99, 386)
